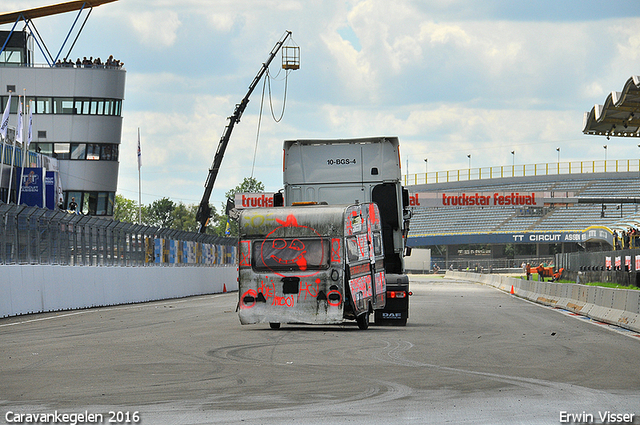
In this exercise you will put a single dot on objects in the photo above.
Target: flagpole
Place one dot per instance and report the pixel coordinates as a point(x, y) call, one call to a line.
point(24, 156)
point(3, 135)
point(13, 155)
point(1, 162)
point(44, 187)
point(139, 181)
point(13, 152)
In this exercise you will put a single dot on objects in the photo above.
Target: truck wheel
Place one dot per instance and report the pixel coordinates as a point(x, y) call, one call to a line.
point(363, 321)
point(274, 325)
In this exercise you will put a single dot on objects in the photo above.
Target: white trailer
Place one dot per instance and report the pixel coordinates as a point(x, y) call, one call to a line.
point(310, 264)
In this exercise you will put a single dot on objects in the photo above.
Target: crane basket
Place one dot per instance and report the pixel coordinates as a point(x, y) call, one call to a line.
point(290, 57)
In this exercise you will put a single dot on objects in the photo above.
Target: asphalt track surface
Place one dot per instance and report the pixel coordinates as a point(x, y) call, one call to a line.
point(470, 354)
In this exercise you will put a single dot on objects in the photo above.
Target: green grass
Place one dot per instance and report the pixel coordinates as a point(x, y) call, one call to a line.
point(534, 276)
point(610, 285)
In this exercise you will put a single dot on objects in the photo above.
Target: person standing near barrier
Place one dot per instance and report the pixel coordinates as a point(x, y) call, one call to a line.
point(72, 205)
point(626, 236)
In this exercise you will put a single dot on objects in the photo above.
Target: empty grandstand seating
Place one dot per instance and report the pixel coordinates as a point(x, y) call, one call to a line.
point(577, 216)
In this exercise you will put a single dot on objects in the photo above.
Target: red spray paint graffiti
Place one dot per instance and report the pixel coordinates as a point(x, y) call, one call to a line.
point(283, 252)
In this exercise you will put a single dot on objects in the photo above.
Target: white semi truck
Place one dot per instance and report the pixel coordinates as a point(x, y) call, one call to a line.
point(343, 171)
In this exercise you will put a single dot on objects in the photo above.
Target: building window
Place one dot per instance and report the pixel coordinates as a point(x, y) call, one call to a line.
point(92, 203)
point(93, 151)
point(11, 56)
point(109, 153)
point(43, 105)
point(43, 148)
point(62, 105)
point(62, 150)
point(77, 151)
point(67, 105)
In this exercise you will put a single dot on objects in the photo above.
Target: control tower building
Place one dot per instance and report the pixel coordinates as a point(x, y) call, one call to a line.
point(76, 105)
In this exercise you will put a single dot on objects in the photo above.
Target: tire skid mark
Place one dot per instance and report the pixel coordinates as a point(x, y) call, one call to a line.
point(393, 353)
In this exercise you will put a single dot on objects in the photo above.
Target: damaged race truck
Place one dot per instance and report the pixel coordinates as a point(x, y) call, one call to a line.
point(311, 264)
point(340, 171)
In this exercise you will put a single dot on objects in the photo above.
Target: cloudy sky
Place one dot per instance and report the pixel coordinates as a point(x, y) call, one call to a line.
point(448, 77)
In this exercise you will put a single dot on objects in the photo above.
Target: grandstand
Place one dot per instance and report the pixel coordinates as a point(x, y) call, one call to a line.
point(579, 210)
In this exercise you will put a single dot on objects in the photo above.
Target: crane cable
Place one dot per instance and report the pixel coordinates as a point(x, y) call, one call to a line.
point(284, 101)
point(267, 80)
point(255, 149)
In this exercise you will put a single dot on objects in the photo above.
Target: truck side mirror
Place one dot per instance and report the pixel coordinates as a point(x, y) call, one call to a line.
point(278, 199)
point(405, 198)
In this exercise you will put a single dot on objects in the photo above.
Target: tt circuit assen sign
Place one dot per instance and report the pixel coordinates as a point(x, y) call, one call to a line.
point(475, 199)
point(590, 234)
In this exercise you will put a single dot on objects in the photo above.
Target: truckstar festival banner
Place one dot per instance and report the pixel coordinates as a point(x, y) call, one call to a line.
point(253, 200)
point(472, 199)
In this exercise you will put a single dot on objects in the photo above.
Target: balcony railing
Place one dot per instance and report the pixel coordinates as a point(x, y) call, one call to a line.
point(524, 170)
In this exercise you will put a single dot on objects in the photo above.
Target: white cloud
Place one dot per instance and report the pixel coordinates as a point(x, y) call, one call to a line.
point(156, 29)
point(447, 81)
point(222, 21)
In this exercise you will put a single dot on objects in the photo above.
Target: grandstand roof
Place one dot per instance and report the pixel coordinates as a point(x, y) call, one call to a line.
point(620, 114)
point(38, 12)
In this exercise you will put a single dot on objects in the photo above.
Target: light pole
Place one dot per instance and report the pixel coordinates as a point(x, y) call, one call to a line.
point(558, 150)
point(426, 170)
point(513, 159)
point(605, 154)
point(469, 156)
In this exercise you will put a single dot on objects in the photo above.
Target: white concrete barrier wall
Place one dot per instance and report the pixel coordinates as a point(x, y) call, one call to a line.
point(616, 306)
point(39, 288)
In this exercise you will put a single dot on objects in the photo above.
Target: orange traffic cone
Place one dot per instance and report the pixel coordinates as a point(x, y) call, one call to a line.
point(224, 288)
point(512, 292)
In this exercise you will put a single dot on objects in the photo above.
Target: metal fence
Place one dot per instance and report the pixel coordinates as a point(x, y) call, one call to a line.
point(621, 259)
point(31, 235)
point(486, 264)
point(523, 170)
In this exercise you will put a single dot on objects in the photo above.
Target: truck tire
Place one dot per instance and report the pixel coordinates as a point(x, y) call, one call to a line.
point(363, 321)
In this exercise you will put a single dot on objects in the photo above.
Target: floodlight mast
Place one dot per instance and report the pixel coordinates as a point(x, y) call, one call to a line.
point(204, 210)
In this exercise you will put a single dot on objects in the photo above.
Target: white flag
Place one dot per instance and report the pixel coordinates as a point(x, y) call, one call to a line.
point(139, 151)
point(5, 119)
point(19, 129)
point(30, 133)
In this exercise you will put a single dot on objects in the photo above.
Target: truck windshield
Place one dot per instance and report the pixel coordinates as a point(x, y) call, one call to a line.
point(290, 254)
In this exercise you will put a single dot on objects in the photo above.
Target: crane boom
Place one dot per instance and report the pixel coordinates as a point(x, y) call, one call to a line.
point(204, 210)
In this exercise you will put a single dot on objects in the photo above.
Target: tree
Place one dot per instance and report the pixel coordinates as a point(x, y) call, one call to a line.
point(167, 214)
point(248, 185)
point(125, 210)
point(159, 213)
